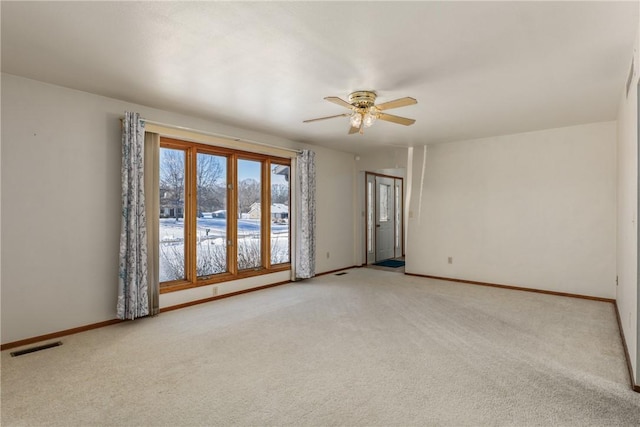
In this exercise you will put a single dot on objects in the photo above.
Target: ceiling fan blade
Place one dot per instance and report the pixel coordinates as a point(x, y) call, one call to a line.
point(353, 130)
point(396, 119)
point(339, 101)
point(401, 102)
point(325, 118)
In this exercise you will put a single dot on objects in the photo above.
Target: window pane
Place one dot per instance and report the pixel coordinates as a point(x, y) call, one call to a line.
point(279, 214)
point(211, 221)
point(397, 218)
point(384, 203)
point(370, 210)
point(172, 214)
point(249, 214)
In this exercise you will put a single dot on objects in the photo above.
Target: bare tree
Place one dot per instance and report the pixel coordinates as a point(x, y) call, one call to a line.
point(210, 182)
point(209, 174)
point(248, 194)
point(280, 194)
point(172, 179)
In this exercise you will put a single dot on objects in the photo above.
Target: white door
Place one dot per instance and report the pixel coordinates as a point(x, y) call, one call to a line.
point(384, 219)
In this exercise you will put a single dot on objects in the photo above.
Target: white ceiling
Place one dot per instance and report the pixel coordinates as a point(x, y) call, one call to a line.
point(476, 68)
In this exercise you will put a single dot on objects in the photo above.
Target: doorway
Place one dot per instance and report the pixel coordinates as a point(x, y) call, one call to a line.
point(383, 217)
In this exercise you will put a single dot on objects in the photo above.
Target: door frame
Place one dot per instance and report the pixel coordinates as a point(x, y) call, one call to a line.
point(370, 259)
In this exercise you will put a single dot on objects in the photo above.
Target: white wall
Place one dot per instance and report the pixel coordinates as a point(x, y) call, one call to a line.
point(60, 202)
point(335, 204)
point(627, 235)
point(387, 160)
point(534, 210)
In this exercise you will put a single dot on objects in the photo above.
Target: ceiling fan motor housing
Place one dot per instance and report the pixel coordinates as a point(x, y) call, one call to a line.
point(362, 99)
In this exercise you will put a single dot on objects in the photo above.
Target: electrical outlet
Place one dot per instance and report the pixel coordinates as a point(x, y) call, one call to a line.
point(450, 260)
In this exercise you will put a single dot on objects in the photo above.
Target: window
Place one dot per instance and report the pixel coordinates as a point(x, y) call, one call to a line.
point(224, 214)
point(279, 181)
point(398, 209)
point(370, 210)
point(172, 230)
point(384, 203)
point(249, 214)
point(211, 219)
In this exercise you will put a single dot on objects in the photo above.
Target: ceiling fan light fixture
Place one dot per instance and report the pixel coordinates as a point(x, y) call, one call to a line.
point(370, 116)
point(355, 119)
point(369, 119)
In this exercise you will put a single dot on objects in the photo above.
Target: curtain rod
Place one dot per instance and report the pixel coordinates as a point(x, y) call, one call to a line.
point(218, 135)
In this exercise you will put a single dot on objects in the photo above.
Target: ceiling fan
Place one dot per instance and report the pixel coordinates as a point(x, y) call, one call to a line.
point(364, 112)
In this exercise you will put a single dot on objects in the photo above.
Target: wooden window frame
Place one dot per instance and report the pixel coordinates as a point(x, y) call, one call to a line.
point(191, 150)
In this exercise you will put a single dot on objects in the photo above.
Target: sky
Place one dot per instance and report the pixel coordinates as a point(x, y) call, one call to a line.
point(246, 169)
point(251, 169)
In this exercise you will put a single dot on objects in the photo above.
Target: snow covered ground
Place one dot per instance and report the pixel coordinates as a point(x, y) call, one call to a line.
point(211, 244)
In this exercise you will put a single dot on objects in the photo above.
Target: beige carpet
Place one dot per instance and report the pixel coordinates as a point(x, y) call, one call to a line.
point(366, 348)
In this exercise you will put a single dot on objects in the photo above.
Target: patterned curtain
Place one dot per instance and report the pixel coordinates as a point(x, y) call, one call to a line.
point(305, 263)
point(133, 298)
